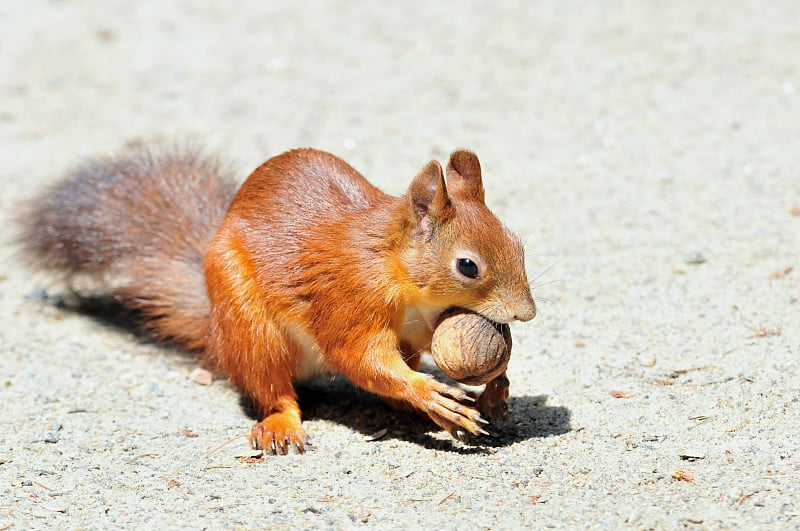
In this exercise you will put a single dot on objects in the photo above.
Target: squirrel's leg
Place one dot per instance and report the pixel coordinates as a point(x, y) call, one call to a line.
point(255, 353)
point(493, 401)
point(270, 387)
point(411, 355)
point(375, 364)
point(413, 358)
point(263, 370)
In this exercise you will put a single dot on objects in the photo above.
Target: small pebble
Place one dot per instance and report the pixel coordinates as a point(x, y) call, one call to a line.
point(37, 294)
point(646, 359)
point(694, 258)
point(378, 434)
point(692, 454)
point(248, 453)
point(201, 376)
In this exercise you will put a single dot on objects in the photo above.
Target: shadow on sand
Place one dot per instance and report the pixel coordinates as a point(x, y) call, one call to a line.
point(337, 400)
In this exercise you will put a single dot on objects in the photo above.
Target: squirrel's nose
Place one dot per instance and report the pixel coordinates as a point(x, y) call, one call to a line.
point(525, 316)
point(526, 311)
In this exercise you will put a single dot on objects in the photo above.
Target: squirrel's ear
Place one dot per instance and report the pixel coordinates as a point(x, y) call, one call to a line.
point(428, 200)
point(464, 175)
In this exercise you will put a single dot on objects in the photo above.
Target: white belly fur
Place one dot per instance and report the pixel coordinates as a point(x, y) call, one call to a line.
point(418, 323)
point(312, 362)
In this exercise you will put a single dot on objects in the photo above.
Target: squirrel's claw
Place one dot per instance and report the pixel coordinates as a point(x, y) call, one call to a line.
point(277, 434)
point(444, 407)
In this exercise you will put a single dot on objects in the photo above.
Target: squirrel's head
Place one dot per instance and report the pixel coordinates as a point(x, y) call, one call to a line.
point(459, 253)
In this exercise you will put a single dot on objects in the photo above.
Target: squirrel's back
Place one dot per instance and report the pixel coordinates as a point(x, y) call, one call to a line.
point(138, 225)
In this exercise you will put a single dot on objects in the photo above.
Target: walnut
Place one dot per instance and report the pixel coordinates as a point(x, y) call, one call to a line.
point(470, 348)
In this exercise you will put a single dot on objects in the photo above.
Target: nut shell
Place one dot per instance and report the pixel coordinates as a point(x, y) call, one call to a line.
point(470, 348)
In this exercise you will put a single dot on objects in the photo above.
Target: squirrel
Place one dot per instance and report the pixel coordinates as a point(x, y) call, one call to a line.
point(306, 268)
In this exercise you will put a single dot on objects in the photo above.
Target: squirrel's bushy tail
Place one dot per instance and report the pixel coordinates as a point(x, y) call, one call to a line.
point(138, 225)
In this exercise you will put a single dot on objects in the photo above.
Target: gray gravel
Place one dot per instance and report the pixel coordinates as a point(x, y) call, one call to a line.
point(646, 151)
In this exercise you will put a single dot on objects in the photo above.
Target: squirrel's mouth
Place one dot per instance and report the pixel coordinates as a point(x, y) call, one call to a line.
point(455, 309)
point(434, 316)
point(495, 313)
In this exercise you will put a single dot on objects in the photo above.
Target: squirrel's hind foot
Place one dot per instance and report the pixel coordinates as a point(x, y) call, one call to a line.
point(278, 433)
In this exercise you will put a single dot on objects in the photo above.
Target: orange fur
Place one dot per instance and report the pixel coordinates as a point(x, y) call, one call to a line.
point(313, 268)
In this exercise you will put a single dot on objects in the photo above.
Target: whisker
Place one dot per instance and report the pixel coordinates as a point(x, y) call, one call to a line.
point(537, 286)
point(548, 268)
point(418, 352)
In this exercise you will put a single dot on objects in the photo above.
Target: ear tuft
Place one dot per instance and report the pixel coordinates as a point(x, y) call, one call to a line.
point(464, 175)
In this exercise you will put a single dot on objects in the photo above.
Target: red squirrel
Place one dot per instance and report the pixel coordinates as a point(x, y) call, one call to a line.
point(306, 268)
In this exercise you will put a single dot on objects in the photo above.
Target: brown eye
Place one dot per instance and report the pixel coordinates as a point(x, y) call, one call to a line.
point(467, 267)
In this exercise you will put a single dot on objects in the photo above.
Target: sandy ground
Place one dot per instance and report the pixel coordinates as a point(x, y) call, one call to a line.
point(646, 151)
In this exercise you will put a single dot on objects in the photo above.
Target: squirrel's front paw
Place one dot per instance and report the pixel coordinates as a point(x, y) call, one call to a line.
point(444, 405)
point(277, 433)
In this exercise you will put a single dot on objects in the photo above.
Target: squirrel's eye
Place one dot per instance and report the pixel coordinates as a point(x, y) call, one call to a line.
point(467, 267)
